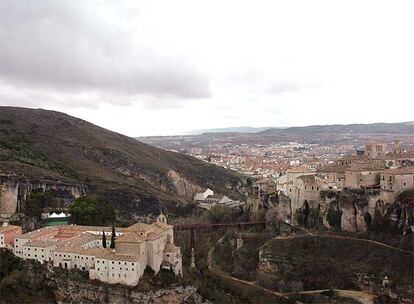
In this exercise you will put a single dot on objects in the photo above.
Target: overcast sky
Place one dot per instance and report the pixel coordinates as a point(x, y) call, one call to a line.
point(166, 67)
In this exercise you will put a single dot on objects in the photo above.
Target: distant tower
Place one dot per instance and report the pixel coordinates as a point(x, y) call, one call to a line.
point(375, 149)
point(397, 147)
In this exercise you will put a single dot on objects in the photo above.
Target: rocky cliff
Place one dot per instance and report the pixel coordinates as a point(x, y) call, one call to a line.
point(27, 281)
point(15, 189)
point(357, 210)
point(353, 210)
point(70, 292)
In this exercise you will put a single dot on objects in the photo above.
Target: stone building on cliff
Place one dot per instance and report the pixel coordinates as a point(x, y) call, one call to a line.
point(397, 179)
point(136, 247)
point(8, 234)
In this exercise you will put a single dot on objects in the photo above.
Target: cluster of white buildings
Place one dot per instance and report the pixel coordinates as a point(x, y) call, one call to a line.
point(81, 247)
point(207, 199)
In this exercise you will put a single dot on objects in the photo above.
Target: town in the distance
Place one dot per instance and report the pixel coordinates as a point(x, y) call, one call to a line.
point(267, 215)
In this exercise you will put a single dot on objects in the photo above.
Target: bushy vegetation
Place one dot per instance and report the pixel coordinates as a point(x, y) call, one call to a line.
point(243, 262)
point(16, 286)
point(91, 210)
point(324, 262)
point(38, 200)
point(334, 215)
point(219, 214)
point(223, 290)
point(165, 278)
point(406, 197)
point(16, 146)
point(327, 297)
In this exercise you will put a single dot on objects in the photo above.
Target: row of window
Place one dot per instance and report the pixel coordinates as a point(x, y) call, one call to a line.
point(317, 188)
point(35, 249)
point(126, 269)
point(119, 263)
point(76, 256)
point(28, 255)
point(114, 275)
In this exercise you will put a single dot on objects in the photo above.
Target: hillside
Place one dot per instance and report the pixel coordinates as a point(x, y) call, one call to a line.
point(352, 134)
point(374, 128)
point(54, 146)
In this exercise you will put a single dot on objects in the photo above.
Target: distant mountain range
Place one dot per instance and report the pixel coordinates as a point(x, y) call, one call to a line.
point(228, 130)
point(385, 128)
point(353, 134)
point(398, 128)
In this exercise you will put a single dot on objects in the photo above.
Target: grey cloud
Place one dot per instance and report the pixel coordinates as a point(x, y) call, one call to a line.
point(70, 47)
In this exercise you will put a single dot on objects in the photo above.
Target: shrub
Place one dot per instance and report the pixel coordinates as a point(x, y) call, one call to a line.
point(219, 214)
point(91, 211)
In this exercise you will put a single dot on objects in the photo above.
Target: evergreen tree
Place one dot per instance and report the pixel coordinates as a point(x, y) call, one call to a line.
point(103, 239)
point(112, 237)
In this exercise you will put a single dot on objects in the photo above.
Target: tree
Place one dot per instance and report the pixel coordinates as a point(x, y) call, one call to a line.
point(219, 214)
point(91, 210)
point(112, 245)
point(38, 200)
point(334, 215)
point(103, 239)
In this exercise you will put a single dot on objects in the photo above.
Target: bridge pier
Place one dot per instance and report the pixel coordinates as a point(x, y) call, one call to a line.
point(192, 265)
point(203, 227)
point(192, 244)
point(239, 241)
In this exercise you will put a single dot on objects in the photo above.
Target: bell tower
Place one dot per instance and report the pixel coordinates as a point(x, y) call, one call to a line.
point(162, 218)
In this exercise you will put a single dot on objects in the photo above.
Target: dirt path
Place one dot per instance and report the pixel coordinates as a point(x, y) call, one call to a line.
point(226, 275)
point(290, 237)
point(363, 297)
point(360, 296)
point(366, 240)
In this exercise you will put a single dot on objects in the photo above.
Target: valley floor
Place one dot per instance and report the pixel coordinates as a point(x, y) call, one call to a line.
point(358, 296)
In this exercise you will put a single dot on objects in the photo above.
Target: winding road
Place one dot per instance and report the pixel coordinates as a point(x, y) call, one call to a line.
point(361, 296)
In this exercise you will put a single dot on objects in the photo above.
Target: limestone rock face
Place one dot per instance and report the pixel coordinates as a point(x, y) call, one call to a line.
point(182, 186)
point(400, 216)
point(355, 209)
point(14, 191)
point(348, 219)
point(8, 197)
point(74, 292)
point(278, 211)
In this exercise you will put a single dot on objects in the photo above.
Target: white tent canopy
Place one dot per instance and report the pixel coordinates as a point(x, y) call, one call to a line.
point(60, 215)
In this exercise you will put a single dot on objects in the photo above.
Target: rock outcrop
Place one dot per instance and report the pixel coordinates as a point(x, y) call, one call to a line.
point(73, 292)
point(14, 191)
point(41, 283)
point(353, 210)
point(182, 186)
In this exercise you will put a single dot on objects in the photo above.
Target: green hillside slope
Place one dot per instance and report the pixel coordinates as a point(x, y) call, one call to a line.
point(52, 145)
